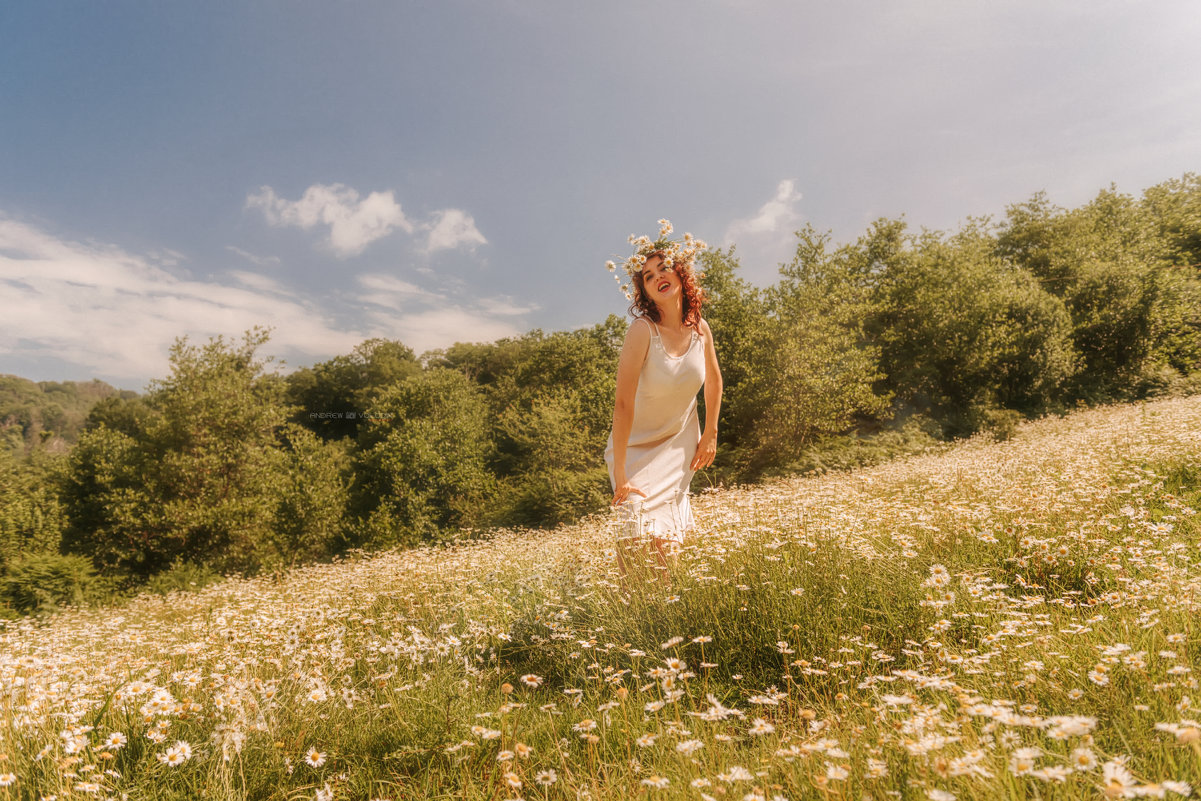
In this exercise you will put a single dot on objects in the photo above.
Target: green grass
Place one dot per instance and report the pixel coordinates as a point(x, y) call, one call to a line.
point(898, 631)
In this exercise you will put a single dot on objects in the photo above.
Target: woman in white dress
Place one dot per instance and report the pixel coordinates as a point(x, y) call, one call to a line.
point(657, 444)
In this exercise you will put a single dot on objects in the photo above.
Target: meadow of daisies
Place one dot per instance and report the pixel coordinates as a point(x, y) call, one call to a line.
point(1010, 619)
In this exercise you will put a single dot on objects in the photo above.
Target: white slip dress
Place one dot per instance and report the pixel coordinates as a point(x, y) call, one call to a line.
point(663, 440)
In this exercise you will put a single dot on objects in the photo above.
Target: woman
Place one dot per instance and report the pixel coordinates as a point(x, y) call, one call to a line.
point(656, 444)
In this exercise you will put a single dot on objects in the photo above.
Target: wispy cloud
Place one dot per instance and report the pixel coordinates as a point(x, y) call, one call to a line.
point(114, 314)
point(774, 216)
point(423, 320)
point(354, 222)
point(261, 261)
point(766, 238)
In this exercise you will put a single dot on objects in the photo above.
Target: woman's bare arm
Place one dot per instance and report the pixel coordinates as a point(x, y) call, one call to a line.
point(629, 367)
point(706, 449)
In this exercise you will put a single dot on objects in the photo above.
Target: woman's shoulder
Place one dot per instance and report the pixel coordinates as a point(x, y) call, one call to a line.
point(639, 333)
point(646, 326)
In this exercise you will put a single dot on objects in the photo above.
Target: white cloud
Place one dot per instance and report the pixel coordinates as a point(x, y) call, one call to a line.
point(777, 214)
point(453, 228)
point(766, 239)
point(115, 314)
point(261, 261)
point(423, 320)
point(353, 223)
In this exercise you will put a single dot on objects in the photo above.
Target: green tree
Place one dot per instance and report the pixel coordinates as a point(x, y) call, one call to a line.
point(331, 397)
point(31, 515)
point(201, 482)
point(811, 368)
point(421, 463)
point(1122, 268)
point(962, 330)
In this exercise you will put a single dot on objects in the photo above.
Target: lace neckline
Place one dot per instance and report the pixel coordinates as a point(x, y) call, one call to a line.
point(691, 341)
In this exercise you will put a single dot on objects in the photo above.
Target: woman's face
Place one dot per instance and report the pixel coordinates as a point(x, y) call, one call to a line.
point(659, 283)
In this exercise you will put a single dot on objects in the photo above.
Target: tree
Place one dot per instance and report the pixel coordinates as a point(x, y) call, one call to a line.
point(331, 397)
point(200, 482)
point(421, 462)
point(962, 330)
point(810, 369)
point(31, 516)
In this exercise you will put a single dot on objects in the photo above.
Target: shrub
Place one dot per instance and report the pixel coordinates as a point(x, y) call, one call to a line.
point(42, 583)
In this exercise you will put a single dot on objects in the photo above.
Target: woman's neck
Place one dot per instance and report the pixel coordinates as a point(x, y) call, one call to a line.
point(671, 316)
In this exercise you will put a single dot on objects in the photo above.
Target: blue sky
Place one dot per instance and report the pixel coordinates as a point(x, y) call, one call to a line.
point(454, 171)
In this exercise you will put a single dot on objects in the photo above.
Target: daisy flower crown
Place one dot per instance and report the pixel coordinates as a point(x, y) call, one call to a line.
point(676, 253)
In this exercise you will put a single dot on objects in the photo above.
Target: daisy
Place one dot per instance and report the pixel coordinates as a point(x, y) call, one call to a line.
point(532, 681)
point(314, 758)
point(658, 782)
point(1083, 759)
point(177, 754)
point(761, 726)
point(836, 772)
point(546, 777)
point(1117, 779)
point(116, 741)
point(1021, 762)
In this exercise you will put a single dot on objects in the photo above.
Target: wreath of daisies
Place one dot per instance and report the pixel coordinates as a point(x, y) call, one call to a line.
point(675, 252)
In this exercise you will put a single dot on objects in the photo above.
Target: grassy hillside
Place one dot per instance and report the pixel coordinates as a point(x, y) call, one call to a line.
point(1000, 620)
point(47, 414)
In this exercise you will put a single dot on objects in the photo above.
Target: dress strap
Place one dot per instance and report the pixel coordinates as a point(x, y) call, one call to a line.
point(654, 327)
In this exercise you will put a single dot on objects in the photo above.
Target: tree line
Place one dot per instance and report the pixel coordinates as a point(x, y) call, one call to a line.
point(899, 337)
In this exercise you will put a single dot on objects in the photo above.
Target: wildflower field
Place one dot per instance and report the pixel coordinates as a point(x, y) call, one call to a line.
point(1010, 619)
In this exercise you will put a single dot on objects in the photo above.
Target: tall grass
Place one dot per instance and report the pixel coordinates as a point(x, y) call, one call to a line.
point(1010, 620)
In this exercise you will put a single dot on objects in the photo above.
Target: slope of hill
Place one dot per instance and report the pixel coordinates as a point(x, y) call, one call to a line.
point(1001, 620)
point(47, 414)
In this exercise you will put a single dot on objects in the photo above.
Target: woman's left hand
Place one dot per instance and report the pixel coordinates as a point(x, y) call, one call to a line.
point(706, 449)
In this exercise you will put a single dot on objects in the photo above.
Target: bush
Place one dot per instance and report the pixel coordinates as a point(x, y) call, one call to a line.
point(182, 577)
point(42, 583)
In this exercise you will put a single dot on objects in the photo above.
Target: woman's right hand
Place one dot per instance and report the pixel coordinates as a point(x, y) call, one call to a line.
point(622, 493)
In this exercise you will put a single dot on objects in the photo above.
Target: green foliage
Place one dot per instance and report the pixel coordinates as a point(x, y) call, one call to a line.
point(130, 416)
point(913, 435)
point(1126, 271)
point(31, 516)
point(962, 330)
point(814, 368)
point(422, 462)
point(331, 397)
point(201, 482)
point(44, 582)
point(47, 415)
point(552, 406)
point(182, 576)
point(310, 518)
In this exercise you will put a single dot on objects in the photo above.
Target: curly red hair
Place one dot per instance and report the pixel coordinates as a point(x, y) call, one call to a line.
point(693, 295)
